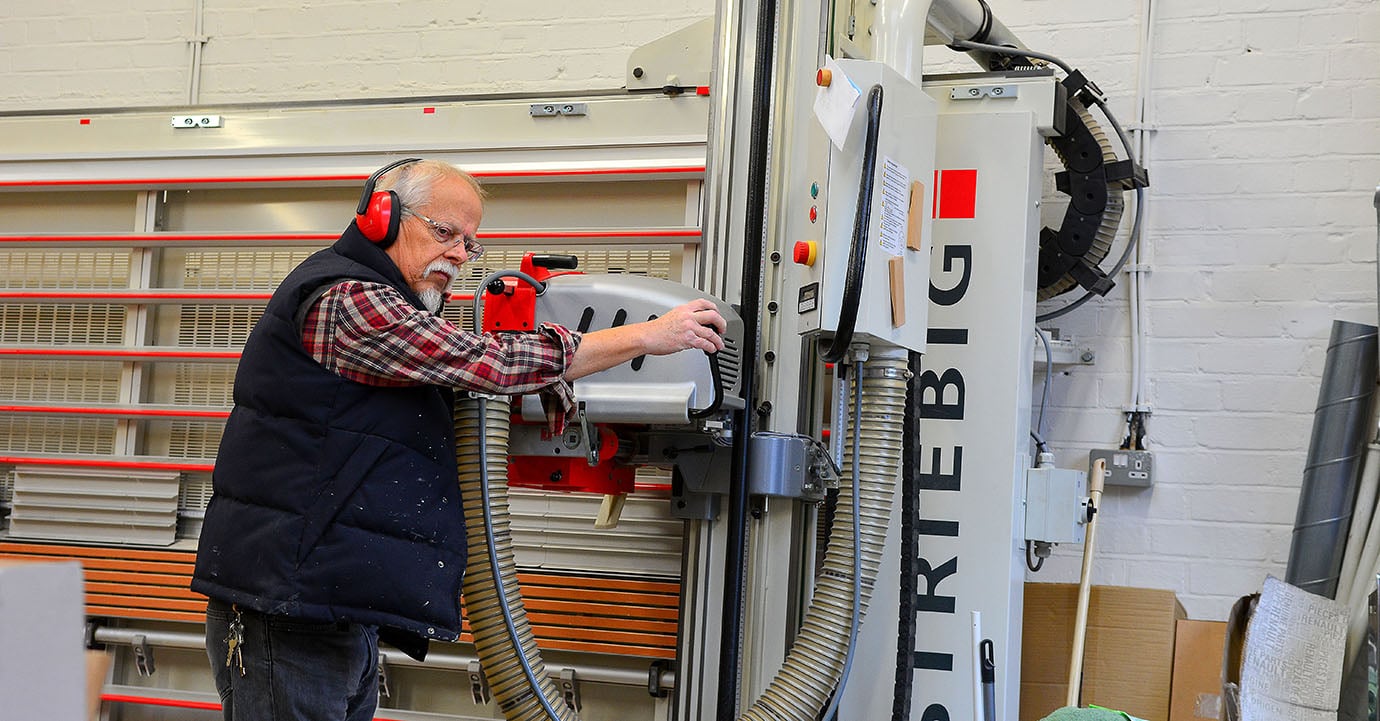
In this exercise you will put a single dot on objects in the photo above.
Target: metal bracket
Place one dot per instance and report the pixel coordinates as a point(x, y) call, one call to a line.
point(978, 92)
point(196, 121)
point(570, 689)
point(89, 635)
point(654, 673)
point(384, 691)
point(143, 655)
point(479, 685)
point(591, 435)
point(546, 110)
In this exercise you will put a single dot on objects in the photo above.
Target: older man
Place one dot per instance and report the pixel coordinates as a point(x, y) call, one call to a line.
point(336, 518)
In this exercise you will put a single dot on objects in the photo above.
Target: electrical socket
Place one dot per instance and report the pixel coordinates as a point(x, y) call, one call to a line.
point(1124, 467)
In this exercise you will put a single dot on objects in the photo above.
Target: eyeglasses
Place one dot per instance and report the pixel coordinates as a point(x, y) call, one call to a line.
point(448, 236)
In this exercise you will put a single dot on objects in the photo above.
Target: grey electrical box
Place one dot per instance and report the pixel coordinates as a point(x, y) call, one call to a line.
point(1055, 505)
point(1124, 467)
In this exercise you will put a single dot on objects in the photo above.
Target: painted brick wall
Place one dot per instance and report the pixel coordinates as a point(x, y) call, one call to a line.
point(90, 53)
point(1264, 156)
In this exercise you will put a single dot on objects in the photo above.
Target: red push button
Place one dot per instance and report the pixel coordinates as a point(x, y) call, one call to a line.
point(823, 77)
point(805, 252)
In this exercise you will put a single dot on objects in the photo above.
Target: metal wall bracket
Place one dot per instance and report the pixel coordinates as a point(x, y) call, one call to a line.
point(479, 684)
point(570, 689)
point(654, 673)
point(196, 121)
point(143, 655)
point(978, 92)
point(546, 110)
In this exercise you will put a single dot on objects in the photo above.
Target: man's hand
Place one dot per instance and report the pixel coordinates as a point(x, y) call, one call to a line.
point(696, 324)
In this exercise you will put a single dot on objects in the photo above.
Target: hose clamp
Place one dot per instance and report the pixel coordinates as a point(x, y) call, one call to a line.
point(890, 373)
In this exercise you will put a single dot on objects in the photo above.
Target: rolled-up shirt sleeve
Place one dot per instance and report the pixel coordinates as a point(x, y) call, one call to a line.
point(368, 333)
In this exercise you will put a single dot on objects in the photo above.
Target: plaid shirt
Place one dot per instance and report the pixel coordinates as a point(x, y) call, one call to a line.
point(368, 333)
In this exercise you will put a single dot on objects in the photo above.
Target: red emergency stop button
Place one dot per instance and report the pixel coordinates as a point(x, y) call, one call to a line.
point(805, 252)
point(824, 77)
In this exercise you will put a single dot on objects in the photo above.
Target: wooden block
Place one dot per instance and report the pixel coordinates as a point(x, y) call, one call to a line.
point(915, 216)
point(897, 268)
point(610, 510)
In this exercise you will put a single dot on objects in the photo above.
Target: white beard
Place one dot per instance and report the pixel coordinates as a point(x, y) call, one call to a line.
point(432, 298)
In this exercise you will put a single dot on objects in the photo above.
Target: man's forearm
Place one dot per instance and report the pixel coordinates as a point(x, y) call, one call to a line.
point(696, 324)
point(603, 349)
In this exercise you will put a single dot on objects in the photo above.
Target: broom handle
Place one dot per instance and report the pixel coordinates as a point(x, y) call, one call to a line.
point(1080, 619)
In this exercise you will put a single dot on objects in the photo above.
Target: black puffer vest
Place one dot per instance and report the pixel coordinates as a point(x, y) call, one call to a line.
point(334, 500)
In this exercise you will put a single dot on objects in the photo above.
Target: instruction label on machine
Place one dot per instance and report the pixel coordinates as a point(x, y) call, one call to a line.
point(895, 207)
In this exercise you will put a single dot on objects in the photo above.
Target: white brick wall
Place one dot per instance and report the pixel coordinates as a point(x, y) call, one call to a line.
point(1261, 229)
point(91, 53)
point(1261, 232)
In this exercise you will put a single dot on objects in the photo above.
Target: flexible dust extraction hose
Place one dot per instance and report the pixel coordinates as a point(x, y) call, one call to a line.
point(493, 601)
point(815, 662)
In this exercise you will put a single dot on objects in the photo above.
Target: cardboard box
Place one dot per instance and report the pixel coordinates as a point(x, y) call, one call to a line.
point(98, 665)
point(1196, 691)
point(1128, 655)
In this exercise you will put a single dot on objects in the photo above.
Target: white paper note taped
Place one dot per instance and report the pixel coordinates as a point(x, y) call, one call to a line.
point(834, 103)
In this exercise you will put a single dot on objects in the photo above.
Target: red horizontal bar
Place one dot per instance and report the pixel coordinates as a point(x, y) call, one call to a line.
point(126, 297)
point(149, 701)
point(150, 412)
point(140, 238)
point(140, 297)
point(135, 238)
point(176, 703)
point(673, 170)
point(522, 234)
point(105, 463)
point(350, 177)
point(87, 353)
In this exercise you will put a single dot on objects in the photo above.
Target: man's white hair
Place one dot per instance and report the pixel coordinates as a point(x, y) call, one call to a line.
point(415, 182)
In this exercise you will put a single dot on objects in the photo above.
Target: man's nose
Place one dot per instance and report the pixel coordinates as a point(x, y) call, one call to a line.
point(456, 254)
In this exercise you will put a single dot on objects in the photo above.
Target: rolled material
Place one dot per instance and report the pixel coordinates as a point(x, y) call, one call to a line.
point(1340, 427)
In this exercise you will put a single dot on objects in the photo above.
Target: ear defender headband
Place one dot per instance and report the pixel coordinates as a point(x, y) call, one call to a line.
point(379, 214)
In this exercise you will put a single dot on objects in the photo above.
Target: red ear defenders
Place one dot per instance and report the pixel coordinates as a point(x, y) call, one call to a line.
point(379, 214)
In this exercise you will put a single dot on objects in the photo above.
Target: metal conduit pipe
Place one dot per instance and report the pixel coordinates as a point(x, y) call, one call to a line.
point(458, 662)
point(1340, 425)
point(503, 637)
point(815, 662)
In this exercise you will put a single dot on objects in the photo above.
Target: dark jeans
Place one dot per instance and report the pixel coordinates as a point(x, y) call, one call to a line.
point(294, 670)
